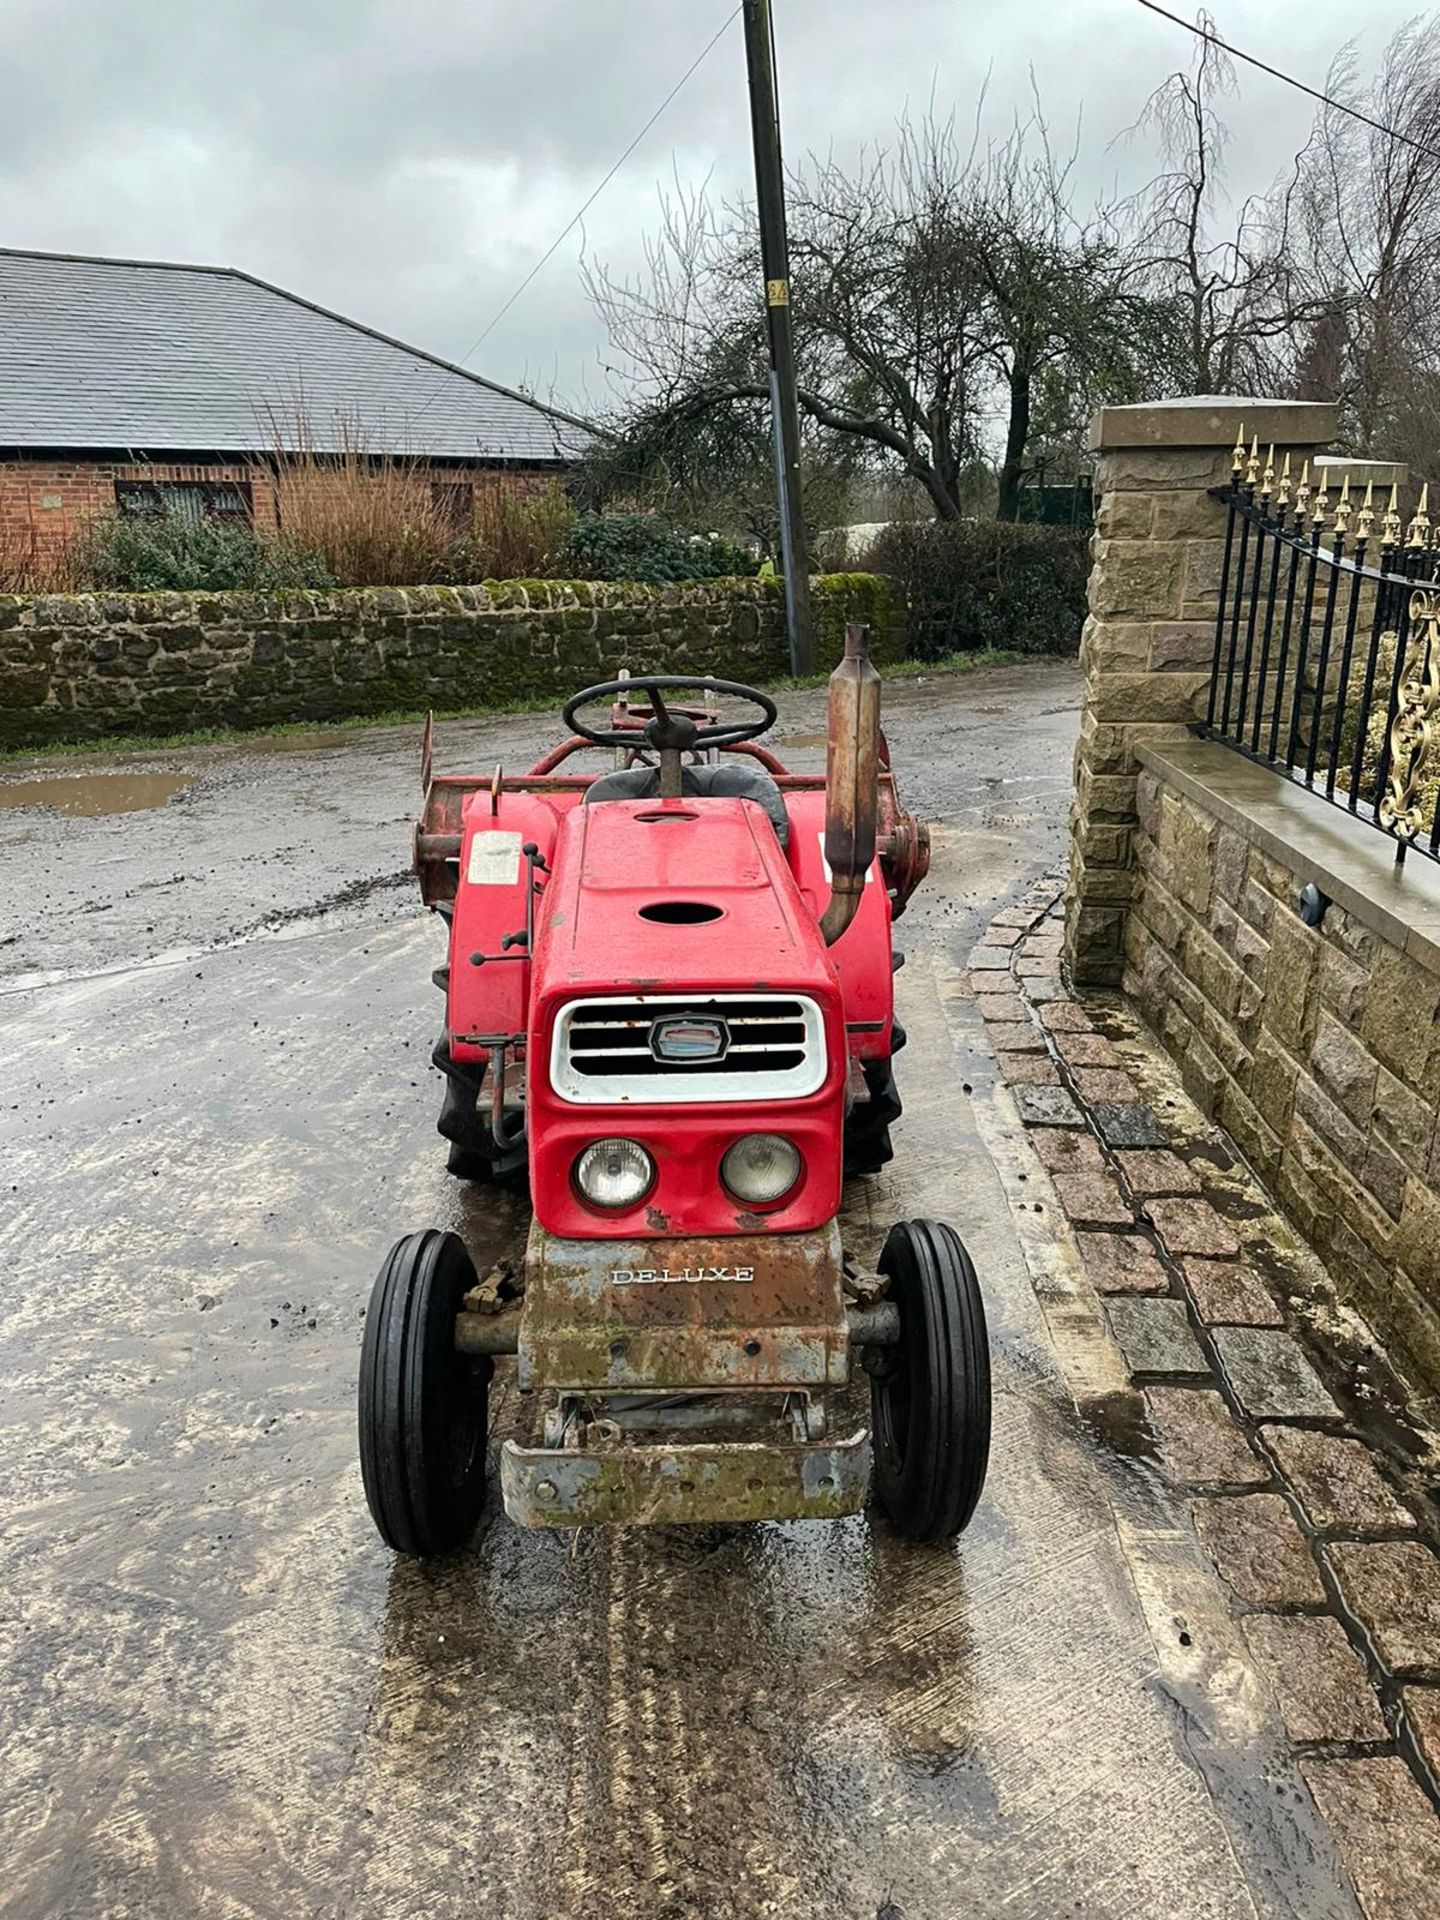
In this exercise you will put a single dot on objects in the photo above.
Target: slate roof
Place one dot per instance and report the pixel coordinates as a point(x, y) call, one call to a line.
point(153, 357)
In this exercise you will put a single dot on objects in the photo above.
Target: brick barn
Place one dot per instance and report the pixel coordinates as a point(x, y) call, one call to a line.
point(139, 386)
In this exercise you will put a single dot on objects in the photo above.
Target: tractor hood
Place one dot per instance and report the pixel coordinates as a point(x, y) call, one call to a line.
point(659, 896)
point(682, 997)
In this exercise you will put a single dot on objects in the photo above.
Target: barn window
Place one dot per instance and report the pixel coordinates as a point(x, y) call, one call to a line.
point(190, 499)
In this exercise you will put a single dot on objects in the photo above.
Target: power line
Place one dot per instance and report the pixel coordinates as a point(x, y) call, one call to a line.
point(1202, 33)
point(581, 212)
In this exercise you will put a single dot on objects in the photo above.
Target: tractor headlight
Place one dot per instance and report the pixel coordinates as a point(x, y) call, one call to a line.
point(615, 1173)
point(761, 1168)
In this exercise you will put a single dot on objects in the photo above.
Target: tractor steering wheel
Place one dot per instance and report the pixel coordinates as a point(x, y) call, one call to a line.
point(677, 731)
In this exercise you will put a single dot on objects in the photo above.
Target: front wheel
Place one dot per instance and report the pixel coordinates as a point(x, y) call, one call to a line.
point(423, 1406)
point(930, 1394)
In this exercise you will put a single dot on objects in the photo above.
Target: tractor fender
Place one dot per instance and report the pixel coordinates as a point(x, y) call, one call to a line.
point(488, 990)
point(862, 954)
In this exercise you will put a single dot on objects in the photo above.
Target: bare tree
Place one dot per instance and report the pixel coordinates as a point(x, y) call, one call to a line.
point(1226, 279)
point(1067, 318)
point(956, 314)
point(688, 333)
point(1369, 248)
point(937, 292)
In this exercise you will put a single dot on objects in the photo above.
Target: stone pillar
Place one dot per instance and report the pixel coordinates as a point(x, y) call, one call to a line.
point(1148, 640)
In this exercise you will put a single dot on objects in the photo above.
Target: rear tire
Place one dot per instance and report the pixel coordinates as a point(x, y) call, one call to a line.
point(930, 1395)
point(423, 1407)
point(866, 1143)
point(473, 1153)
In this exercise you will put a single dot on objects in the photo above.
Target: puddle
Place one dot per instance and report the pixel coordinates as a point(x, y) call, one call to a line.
point(89, 795)
point(800, 739)
point(1119, 1422)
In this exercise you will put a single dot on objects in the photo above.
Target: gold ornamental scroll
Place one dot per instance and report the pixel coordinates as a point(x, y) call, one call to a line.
point(1412, 731)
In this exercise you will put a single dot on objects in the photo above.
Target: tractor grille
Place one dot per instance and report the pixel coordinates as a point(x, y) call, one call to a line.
point(609, 1051)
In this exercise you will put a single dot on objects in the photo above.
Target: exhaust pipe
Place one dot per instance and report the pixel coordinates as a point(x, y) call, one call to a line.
point(852, 794)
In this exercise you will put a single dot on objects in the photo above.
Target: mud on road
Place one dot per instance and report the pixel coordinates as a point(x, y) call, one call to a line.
point(221, 1696)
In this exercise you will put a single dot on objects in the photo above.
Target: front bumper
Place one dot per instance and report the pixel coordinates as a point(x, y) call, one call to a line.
point(759, 1310)
point(615, 1331)
point(666, 1485)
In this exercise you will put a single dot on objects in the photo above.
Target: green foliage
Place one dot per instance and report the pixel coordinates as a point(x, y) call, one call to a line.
point(838, 598)
point(638, 546)
point(156, 552)
point(974, 583)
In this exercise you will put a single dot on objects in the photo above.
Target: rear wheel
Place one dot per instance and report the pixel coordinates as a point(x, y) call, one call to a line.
point(930, 1395)
point(866, 1142)
point(473, 1154)
point(423, 1406)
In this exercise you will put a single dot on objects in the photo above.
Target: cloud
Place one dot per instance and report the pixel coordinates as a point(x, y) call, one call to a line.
point(407, 161)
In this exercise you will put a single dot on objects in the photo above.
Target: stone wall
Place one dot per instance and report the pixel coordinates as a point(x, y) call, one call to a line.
point(1317, 1049)
point(1146, 648)
point(81, 666)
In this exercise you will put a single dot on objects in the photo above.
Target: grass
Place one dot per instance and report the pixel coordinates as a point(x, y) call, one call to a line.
point(954, 663)
point(110, 745)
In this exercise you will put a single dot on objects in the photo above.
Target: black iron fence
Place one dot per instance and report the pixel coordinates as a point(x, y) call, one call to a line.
point(1327, 645)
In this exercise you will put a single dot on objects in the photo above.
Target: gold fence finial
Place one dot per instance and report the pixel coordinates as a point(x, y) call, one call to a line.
point(1282, 498)
point(1252, 464)
point(1267, 479)
point(1237, 458)
point(1302, 494)
point(1390, 525)
point(1320, 506)
point(1343, 508)
point(1418, 532)
point(1365, 525)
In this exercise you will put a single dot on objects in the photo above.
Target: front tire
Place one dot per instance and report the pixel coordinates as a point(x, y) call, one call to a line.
point(423, 1407)
point(930, 1395)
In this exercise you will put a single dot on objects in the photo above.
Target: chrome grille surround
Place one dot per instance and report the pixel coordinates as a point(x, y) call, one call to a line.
point(603, 1053)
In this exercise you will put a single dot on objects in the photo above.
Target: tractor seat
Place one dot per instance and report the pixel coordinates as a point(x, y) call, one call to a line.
point(740, 783)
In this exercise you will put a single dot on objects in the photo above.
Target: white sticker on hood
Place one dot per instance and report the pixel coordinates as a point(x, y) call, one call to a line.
point(494, 860)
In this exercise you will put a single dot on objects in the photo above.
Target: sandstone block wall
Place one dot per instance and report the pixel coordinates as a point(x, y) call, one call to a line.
point(82, 666)
point(1317, 1049)
point(1147, 644)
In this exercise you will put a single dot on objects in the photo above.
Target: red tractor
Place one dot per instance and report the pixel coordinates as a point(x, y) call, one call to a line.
point(669, 1002)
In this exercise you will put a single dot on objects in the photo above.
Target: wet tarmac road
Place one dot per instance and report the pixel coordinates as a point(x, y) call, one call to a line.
point(220, 1694)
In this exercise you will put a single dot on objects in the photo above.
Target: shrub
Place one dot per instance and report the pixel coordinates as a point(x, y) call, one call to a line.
point(638, 546)
point(386, 523)
point(30, 565)
point(386, 520)
point(150, 552)
point(374, 522)
point(972, 584)
point(516, 532)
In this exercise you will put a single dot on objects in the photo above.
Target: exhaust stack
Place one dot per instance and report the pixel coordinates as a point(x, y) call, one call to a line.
point(852, 798)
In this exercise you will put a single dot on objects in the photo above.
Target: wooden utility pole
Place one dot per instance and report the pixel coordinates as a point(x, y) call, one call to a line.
point(775, 265)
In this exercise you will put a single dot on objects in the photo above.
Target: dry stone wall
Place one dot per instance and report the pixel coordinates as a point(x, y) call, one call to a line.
point(82, 666)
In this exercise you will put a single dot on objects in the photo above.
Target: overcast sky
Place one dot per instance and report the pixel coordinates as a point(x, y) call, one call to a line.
point(406, 161)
